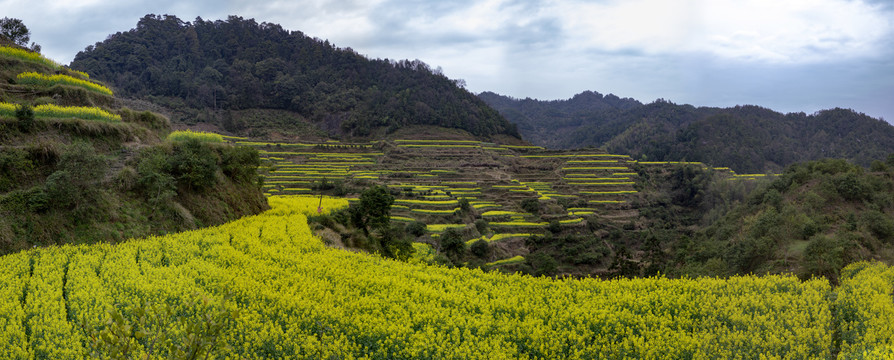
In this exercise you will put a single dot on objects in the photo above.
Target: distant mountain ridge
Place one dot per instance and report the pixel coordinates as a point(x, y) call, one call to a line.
point(745, 138)
point(208, 71)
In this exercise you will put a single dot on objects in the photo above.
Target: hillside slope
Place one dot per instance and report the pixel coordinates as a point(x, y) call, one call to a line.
point(75, 169)
point(263, 287)
point(812, 220)
point(746, 138)
point(213, 71)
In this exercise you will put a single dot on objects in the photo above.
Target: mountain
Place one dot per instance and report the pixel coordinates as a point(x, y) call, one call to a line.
point(74, 168)
point(746, 138)
point(222, 72)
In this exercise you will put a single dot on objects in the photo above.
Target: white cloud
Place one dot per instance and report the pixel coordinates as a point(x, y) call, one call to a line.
point(791, 31)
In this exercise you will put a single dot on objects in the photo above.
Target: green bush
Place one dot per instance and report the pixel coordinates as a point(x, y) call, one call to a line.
point(240, 163)
point(851, 186)
point(531, 205)
point(541, 264)
point(25, 114)
point(481, 226)
point(75, 183)
point(15, 164)
point(193, 164)
point(416, 228)
point(880, 224)
point(825, 256)
point(452, 244)
point(480, 249)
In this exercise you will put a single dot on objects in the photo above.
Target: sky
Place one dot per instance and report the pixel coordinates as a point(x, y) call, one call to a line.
point(789, 56)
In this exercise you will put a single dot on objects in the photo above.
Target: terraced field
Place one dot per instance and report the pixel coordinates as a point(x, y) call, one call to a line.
point(430, 177)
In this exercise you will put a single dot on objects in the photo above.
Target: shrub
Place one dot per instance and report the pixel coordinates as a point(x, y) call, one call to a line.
point(851, 186)
point(416, 228)
point(541, 264)
point(531, 205)
point(825, 256)
point(881, 225)
point(481, 226)
point(193, 164)
point(240, 163)
point(480, 248)
point(452, 244)
point(25, 114)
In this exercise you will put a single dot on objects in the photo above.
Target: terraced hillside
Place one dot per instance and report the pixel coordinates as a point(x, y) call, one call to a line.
point(75, 168)
point(503, 194)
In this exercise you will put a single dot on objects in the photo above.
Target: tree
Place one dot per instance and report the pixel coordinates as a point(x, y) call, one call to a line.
point(16, 31)
point(373, 211)
point(452, 245)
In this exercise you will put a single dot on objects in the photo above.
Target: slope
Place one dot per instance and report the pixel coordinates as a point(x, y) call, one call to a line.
point(75, 169)
point(745, 138)
point(812, 220)
point(213, 71)
point(262, 287)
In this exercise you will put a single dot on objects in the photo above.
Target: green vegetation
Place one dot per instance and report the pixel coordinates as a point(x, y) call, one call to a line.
point(264, 287)
point(201, 136)
point(745, 138)
point(235, 67)
point(816, 218)
point(33, 78)
point(75, 170)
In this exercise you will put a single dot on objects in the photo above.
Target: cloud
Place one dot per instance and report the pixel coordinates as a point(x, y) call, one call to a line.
point(792, 31)
point(706, 52)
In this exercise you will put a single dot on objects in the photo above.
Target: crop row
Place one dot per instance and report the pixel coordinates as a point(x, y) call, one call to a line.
point(33, 78)
point(28, 56)
point(275, 291)
point(50, 111)
point(183, 135)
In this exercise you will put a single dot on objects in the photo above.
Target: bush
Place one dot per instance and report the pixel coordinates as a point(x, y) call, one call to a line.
point(240, 163)
point(531, 205)
point(541, 264)
point(75, 182)
point(464, 205)
point(15, 164)
point(417, 228)
point(851, 186)
point(480, 249)
point(25, 114)
point(554, 227)
point(452, 244)
point(825, 256)
point(481, 226)
point(881, 225)
point(193, 164)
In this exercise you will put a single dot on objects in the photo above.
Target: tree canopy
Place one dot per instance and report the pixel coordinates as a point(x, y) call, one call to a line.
point(216, 67)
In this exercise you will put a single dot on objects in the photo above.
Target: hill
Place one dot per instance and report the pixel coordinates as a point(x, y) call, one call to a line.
point(76, 169)
point(812, 220)
point(746, 138)
point(261, 80)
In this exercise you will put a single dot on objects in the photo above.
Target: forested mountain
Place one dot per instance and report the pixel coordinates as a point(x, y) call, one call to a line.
point(212, 71)
point(745, 138)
